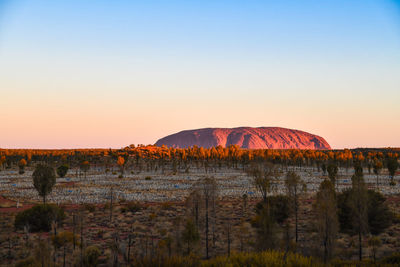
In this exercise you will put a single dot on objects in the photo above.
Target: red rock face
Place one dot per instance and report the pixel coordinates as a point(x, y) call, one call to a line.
point(245, 137)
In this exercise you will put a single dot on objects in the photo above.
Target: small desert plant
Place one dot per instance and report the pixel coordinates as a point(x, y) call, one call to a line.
point(90, 207)
point(166, 205)
point(131, 206)
point(91, 257)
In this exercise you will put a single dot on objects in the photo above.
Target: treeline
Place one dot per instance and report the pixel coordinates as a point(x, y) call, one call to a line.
point(232, 155)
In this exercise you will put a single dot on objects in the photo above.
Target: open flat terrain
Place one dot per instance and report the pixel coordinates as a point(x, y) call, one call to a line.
point(158, 187)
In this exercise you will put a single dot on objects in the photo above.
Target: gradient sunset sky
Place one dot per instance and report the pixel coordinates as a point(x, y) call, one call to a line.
point(113, 73)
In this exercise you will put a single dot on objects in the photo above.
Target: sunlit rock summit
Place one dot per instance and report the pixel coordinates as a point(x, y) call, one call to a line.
point(245, 137)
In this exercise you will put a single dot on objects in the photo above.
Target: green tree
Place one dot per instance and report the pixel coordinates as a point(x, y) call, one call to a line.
point(294, 186)
point(190, 234)
point(380, 217)
point(359, 206)
point(44, 179)
point(209, 190)
point(392, 166)
point(326, 217)
point(266, 226)
point(332, 173)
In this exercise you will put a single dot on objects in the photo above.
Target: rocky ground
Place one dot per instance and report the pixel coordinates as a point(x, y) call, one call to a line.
point(158, 187)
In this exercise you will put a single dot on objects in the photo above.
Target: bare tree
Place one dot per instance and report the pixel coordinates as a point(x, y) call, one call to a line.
point(263, 178)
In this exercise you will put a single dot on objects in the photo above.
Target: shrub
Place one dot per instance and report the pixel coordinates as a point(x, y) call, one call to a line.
point(39, 217)
point(132, 206)
point(29, 262)
point(166, 205)
point(392, 259)
point(63, 238)
point(147, 178)
point(266, 258)
point(62, 170)
point(90, 207)
point(91, 256)
point(279, 207)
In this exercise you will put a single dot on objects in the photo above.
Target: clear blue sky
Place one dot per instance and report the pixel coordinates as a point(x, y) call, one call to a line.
point(112, 73)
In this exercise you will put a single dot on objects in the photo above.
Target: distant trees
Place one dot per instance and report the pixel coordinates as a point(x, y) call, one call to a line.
point(84, 166)
point(44, 179)
point(377, 167)
point(21, 164)
point(326, 217)
point(332, 173)
point(392, 166)
point(121, 164)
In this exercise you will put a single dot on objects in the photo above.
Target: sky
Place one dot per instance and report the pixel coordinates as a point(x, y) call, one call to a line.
point(77, 74)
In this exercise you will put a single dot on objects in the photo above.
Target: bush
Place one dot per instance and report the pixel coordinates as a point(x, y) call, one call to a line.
point(29, 262)
point(63, 238)
point(279, 207)
point(39, 217)
point(91, 256)
point(90, 207)
point(62, 170)
point(132, 206)
point(166, 205)
point(392, 259)
point(267, 258)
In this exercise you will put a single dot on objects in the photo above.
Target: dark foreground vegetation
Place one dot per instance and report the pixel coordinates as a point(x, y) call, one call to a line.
point(355, 226)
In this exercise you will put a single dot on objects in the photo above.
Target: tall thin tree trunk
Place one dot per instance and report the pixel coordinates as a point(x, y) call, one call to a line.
point(207, 230)
point(359, 245)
